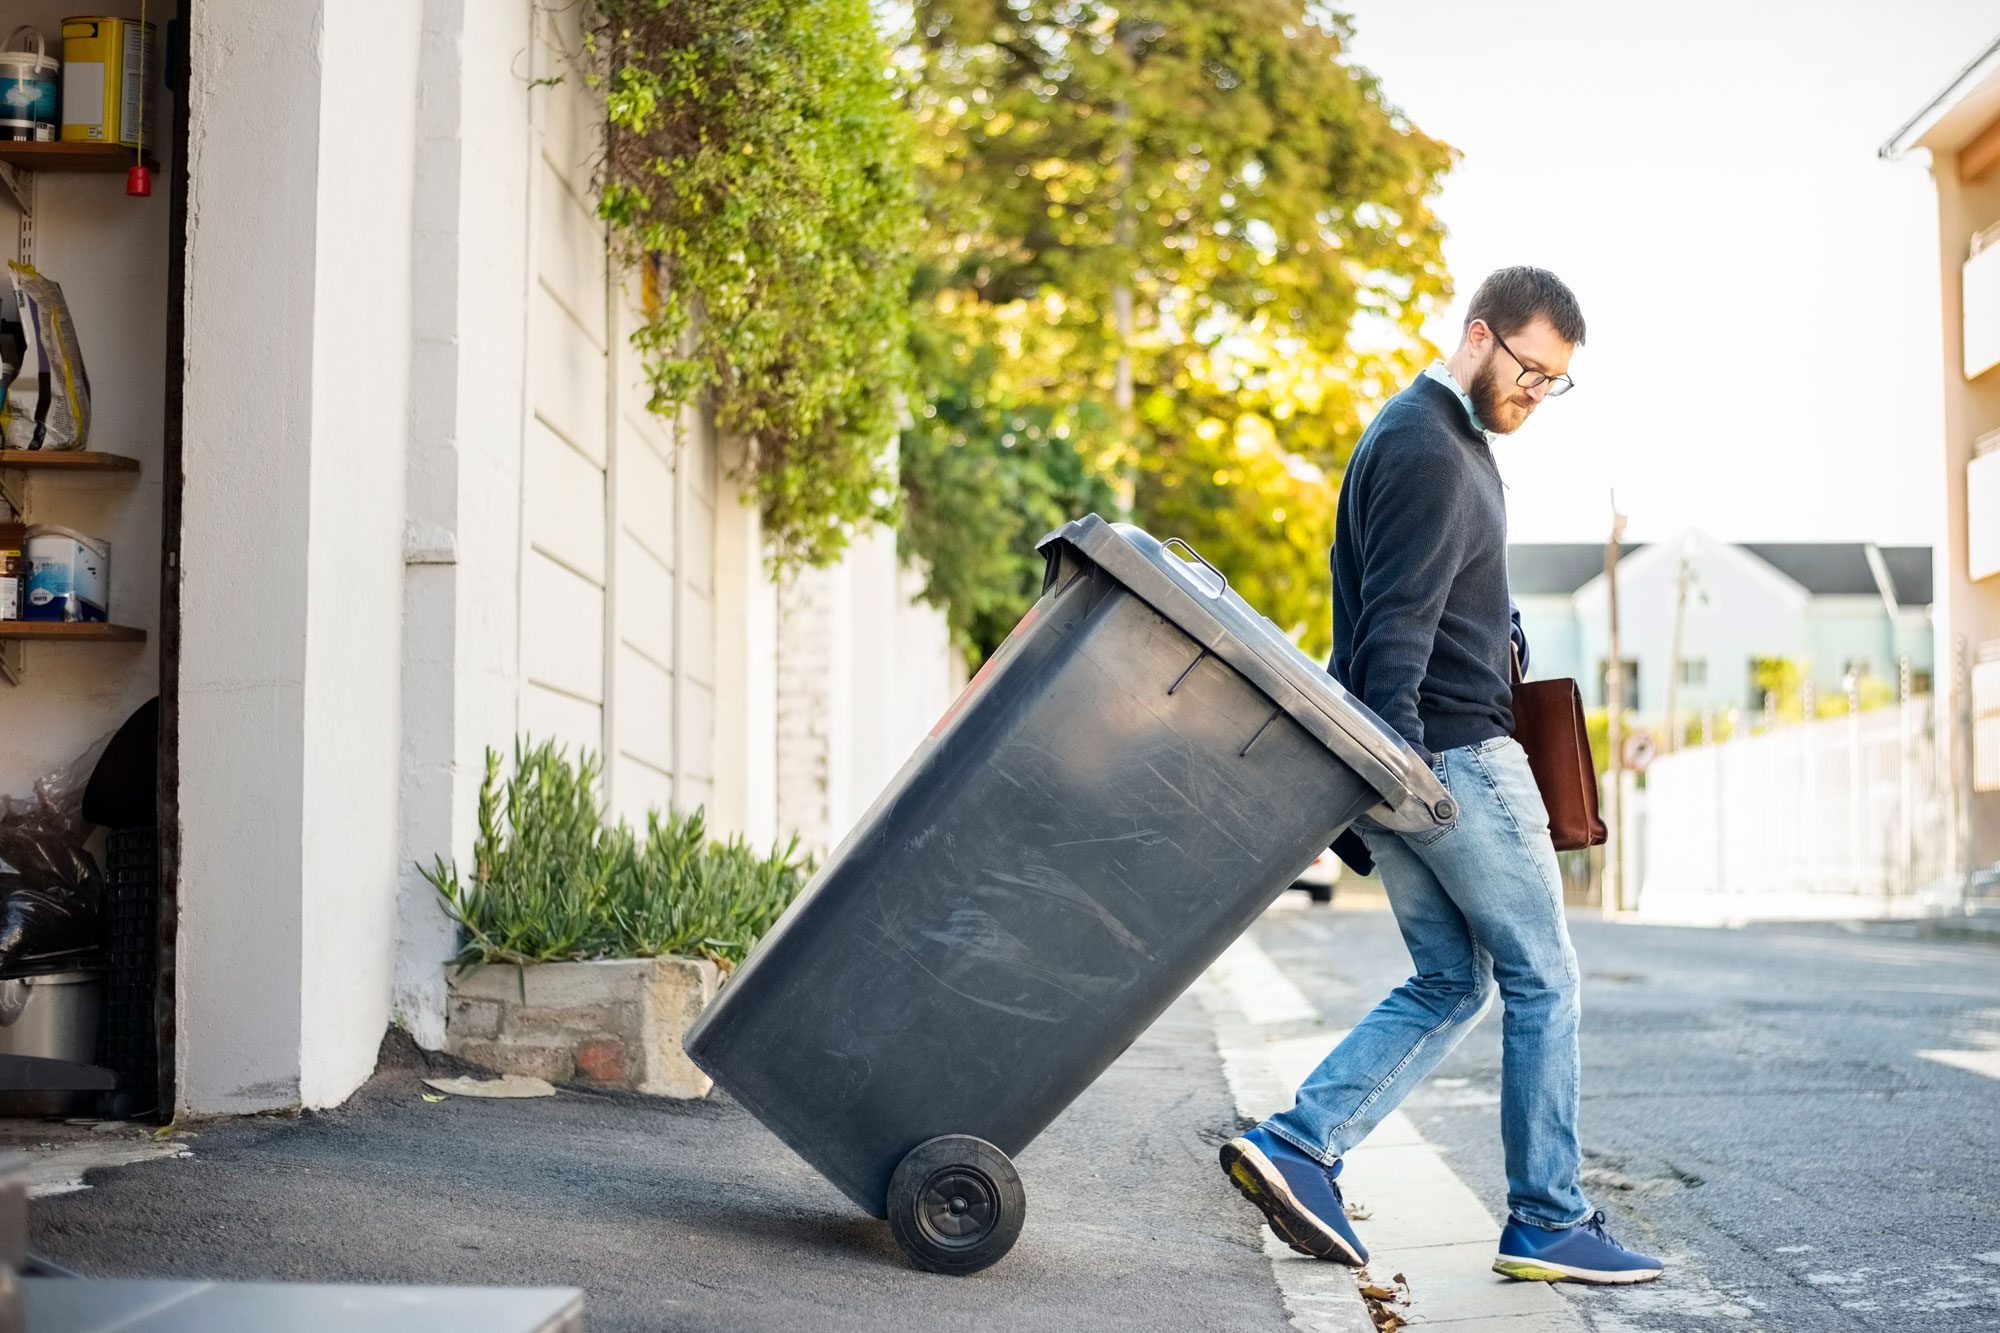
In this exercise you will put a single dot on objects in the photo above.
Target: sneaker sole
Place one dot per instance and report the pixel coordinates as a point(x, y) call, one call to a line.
point(1259, 1181)
point(1541, 1270)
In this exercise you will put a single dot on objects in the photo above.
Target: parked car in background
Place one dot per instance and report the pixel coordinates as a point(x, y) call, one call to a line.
point(1319, 878)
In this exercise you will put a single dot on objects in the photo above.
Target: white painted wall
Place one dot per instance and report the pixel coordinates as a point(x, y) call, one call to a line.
point(864, 671)
point(745, 797)
point(354, 570)
point(298, 301)
point(564, 572)
point(462, 532)
point(109, 252)
point(426, 509)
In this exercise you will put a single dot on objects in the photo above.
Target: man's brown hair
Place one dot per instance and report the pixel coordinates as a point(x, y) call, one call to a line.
point(1509, 300)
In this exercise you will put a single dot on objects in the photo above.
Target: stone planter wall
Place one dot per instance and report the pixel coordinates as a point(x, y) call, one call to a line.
point(611, 1024)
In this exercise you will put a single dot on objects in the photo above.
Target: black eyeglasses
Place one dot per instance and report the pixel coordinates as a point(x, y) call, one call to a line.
point(1533, 379)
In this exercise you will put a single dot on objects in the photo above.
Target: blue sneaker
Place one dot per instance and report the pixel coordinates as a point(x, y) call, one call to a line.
point(1296, 1194)
point(1582, 1253)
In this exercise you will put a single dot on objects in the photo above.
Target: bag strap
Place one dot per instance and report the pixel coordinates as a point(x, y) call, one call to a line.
point(1514, 644)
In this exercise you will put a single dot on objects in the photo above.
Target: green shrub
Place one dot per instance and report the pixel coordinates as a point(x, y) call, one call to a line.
point(553, 882)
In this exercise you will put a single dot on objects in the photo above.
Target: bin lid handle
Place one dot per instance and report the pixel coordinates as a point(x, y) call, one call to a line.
point(1196, 556)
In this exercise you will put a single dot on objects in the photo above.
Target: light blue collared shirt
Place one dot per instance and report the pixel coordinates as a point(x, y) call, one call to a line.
point(1440, 372)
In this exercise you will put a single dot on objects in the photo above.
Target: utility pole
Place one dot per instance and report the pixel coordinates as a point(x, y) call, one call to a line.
point(1614, 689)
point(1670, 741)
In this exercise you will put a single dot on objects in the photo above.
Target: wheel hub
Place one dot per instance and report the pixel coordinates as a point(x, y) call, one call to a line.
point(957, 1206)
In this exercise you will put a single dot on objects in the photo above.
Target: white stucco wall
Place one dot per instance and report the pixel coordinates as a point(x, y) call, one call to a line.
point(745, 796)
point(864, 671)
point(461, 540)
point(426, 510)
point(354, 572)
point(298, 293)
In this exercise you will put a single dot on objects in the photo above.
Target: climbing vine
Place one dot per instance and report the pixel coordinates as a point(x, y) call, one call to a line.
point(758, 154)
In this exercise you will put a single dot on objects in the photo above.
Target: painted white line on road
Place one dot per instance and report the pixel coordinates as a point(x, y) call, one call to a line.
point(1266, 995)
point(1983, 1054)
point(1972, 1062)
point(1319, 1297)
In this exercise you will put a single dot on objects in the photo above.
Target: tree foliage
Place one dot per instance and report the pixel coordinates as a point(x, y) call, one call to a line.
point(757, 149)
point(1269, 214)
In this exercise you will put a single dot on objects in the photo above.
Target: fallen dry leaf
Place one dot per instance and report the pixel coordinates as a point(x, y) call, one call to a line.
point(1375, 1293)
point(507, 1085)
point(1358, 1212)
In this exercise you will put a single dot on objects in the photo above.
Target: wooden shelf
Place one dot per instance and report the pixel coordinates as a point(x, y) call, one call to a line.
point(59, 631)
point(59, 156)
point(72, 460)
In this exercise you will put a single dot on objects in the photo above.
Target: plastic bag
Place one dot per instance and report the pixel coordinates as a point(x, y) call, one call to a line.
point(48, 404)
point(51, 890)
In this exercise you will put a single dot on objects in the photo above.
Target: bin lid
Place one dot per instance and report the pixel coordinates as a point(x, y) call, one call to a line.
point(1197, 598)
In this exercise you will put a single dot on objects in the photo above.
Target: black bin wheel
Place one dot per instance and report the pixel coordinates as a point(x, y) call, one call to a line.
point(956, 1204)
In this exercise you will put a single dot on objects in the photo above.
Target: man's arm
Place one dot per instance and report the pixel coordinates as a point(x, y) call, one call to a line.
point(1520, 636)
point(1412, 547)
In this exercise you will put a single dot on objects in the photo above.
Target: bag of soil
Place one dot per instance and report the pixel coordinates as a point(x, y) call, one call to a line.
point(48, 404)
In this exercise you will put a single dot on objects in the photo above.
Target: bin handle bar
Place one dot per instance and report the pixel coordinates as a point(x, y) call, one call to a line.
point(1172, 542)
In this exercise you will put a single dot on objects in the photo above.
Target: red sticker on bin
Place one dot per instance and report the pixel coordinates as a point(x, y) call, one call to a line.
point(978, 680)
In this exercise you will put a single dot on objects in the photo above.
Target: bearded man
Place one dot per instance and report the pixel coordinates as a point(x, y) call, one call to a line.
point(1426, 635)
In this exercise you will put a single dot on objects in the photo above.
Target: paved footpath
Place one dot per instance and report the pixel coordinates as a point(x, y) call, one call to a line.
point(1804, 1121)
point(690, 1216)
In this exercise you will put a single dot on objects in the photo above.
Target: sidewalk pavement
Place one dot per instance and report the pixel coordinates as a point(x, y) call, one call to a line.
point(689, 1215)
point(1431, 1242)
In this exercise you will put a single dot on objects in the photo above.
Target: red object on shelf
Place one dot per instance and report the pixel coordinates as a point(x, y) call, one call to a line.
point(139, 182)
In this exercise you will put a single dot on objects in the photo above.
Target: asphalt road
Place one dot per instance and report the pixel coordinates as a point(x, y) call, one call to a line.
point(1805, 1120)
point(677, 1216)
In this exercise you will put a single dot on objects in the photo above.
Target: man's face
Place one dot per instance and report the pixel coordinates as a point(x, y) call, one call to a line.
point(1502, 404)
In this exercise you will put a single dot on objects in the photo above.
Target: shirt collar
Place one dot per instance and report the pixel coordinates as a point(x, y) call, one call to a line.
point(1437, 370)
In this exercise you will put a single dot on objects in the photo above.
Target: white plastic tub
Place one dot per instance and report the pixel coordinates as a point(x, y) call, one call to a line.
point(69, 575)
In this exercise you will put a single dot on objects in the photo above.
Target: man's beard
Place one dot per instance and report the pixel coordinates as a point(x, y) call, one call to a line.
point(1488, 396)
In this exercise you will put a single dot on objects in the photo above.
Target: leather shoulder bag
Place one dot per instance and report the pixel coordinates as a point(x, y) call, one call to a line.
point(1548, 722)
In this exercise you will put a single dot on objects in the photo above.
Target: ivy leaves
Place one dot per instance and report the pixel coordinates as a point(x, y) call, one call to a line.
point(758, 149)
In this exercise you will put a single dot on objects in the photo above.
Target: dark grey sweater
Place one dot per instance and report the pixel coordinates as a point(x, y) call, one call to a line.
point(1422, 621)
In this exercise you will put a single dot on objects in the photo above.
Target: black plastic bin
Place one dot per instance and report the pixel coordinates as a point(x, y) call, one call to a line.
point(1131, 778)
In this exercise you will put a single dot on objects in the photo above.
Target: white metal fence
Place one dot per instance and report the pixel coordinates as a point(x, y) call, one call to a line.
point(1844, 817)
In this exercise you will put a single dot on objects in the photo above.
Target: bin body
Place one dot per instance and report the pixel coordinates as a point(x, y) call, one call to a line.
point(1107, 806)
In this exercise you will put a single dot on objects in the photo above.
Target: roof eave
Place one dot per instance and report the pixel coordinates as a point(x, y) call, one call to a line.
point(1985, 66)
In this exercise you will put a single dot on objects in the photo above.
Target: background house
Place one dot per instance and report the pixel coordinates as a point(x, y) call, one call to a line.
point(1959, 129)
point(1830, 607)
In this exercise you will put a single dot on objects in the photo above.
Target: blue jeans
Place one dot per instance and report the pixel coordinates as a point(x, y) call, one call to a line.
point(1479, 902)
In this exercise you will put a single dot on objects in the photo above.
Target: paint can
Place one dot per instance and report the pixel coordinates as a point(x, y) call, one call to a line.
point(13, 567)
point(107, 81)
point(69, 575)
point(28, 72)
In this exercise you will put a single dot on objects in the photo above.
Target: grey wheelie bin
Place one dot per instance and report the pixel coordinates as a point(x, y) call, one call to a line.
point(1130, 779)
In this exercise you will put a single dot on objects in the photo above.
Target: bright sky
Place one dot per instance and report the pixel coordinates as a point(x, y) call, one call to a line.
point(1764, 359)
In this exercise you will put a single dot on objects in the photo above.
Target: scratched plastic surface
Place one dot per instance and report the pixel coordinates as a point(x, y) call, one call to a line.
point(1106, 807)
